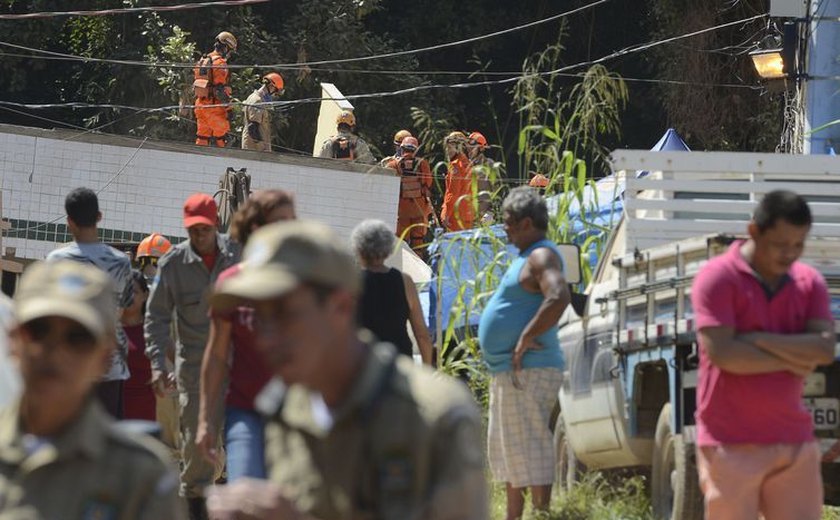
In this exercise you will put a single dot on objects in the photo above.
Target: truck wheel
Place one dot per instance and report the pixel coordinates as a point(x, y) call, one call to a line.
point(675, 492)
point(568, 470)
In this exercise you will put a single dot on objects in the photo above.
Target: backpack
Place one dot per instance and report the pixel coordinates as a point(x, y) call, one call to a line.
point(203, 72)
point(343, 148)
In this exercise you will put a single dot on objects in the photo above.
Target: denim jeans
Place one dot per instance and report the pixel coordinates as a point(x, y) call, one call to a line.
point(245, 444)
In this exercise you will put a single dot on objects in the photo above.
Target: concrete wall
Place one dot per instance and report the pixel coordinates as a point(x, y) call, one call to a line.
point(142, 185)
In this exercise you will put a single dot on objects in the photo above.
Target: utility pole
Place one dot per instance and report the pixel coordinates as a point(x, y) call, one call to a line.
point(822, 86)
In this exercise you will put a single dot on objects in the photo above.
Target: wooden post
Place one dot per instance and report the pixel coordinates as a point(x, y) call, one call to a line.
point(6, 265)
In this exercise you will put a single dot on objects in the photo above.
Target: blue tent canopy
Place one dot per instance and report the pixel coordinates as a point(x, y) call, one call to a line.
point(470, 261)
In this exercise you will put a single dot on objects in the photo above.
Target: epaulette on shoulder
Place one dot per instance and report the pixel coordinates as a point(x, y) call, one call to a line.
point(126, 437)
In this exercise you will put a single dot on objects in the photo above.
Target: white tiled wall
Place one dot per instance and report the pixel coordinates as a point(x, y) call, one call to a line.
point(143, 190)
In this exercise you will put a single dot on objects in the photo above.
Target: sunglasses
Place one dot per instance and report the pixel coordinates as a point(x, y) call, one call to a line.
point(409, 149)
point(76, 337)
point(148, 260)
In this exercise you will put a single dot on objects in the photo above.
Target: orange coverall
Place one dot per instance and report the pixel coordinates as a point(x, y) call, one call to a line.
point(458, 214)
point(213, 121)
point(414, 207)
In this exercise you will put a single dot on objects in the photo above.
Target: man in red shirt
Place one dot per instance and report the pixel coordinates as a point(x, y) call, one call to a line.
point(248, 374)
point(764, 323)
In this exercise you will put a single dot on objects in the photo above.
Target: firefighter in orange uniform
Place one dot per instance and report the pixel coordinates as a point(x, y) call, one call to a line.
point(212, 87)
point(398, 138)
point(481, 168)
point(457, 212)
point(415, 186)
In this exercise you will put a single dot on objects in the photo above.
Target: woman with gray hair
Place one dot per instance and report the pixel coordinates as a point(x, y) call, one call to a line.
point(389, 297)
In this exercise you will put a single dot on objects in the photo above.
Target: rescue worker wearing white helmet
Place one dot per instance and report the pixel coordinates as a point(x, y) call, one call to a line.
point(256, 128)
point(346, 145)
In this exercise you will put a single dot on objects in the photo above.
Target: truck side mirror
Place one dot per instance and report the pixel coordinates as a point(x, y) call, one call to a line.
point(570, 253)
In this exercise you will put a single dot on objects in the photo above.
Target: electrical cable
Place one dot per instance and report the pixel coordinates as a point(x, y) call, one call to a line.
point(200, 151)
point(623, 52)
point(129, 10)
point(408, 90)
point(620, 53)
point(74, 57)
point(422, 72)
point(650, 45)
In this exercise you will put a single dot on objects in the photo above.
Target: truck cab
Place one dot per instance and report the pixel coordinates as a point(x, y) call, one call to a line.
point(628, 398)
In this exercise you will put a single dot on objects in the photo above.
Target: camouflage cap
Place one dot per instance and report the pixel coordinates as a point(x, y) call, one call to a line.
point(80, 292)
point(281, 256)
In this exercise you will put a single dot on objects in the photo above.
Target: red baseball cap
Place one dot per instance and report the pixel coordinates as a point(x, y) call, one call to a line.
point(200, 208)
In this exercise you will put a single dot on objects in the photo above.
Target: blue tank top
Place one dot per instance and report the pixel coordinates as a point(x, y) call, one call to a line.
point(507, 313)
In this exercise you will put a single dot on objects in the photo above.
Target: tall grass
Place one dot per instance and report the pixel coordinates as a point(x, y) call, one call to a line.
point(594, 498)
point(474, 261)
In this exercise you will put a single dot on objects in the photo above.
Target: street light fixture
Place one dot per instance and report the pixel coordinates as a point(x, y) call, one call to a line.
point(769, 63)
point(778, 59)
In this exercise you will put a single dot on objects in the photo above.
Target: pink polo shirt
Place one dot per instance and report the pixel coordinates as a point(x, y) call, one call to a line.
point(759, 408)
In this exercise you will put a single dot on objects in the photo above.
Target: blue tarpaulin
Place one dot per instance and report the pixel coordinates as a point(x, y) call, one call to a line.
point(469, 261)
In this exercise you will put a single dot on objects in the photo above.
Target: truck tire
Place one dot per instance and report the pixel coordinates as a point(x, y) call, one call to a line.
point(675, 492)
point(568, 470)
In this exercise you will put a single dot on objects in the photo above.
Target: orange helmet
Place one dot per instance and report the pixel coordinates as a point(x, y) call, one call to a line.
point(477, 138)
point(346, 118)
point(410, 144)
point(400, 136)
point(154, 245)
point(538, 181)
point(275, 79)
point(227, 39)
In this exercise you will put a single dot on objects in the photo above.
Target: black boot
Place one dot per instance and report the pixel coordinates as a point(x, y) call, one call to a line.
point(197, 509)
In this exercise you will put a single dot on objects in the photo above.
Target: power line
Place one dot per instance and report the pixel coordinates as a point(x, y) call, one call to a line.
point(75, 57)
point(424, 72)
point(383, 94)
point(198, 150)
point(645, 46)
point(559, 71)
point(129, 10)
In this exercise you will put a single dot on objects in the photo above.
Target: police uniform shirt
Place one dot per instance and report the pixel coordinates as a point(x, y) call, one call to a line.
point(92, 471)
point(405, 444)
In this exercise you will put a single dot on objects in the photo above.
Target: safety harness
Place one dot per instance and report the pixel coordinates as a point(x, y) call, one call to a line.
point(410, 185)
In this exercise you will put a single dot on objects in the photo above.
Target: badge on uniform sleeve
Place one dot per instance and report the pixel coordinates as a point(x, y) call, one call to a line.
point(97, 510)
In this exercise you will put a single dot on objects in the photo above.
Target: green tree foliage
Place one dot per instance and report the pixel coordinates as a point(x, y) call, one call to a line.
point(287, 32)
point(717, 118)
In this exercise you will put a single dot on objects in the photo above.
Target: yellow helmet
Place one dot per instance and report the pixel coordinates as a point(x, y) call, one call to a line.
point(456, 137)
point(346, 117)
point(227, 39)
point(399, 136)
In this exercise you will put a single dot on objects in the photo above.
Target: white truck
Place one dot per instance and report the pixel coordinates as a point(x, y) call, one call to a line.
point(628, 399)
